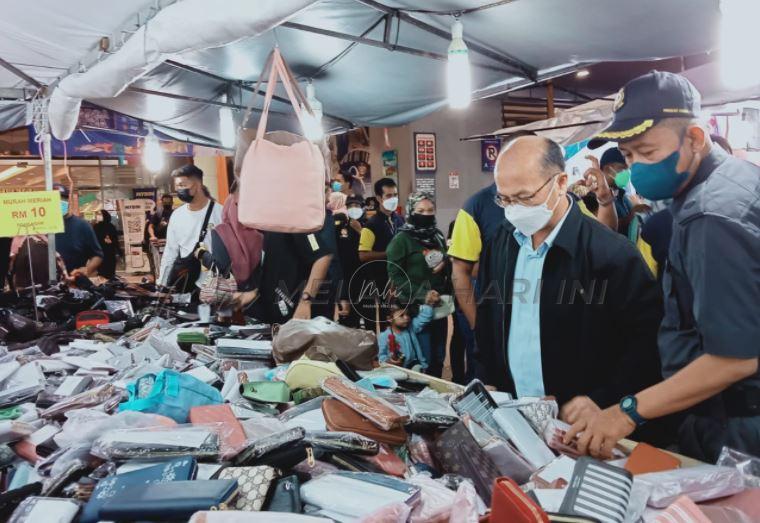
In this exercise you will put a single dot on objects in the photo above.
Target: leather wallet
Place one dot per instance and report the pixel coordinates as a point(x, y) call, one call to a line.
point(343, 442)
point(285, 496)
point(253, 484)
point(646, 458)
point(511, 505)
point(341, 418)
point(269, 444)
point(173, 501)
point(598, 490)
point(181, 469)
point(232, 436)
point(388, 462)
point(458, 453)
point(379, 411)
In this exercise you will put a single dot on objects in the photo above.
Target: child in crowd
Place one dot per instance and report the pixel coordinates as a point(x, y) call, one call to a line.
point(398, 343)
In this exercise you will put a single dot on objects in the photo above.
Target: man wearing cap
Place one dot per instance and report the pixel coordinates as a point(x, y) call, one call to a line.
point(77, 244)
point(709, 340)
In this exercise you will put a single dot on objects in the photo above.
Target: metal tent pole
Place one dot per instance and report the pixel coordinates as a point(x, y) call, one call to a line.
point(47, 152)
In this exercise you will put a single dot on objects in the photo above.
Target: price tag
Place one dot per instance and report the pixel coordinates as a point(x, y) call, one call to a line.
point(26, 213)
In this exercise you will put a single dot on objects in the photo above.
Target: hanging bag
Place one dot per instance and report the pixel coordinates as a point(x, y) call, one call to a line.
point(273, 173)
point(187, 269)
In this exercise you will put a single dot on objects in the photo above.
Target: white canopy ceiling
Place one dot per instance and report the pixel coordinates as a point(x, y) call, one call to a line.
point(513, 44)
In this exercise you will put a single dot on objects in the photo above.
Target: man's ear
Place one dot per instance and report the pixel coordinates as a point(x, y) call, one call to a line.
point(698, 137)
point(562, 179)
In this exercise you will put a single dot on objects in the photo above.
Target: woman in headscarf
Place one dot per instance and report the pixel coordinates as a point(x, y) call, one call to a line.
point(417, 264)
point(108, 238)
point(236, 252)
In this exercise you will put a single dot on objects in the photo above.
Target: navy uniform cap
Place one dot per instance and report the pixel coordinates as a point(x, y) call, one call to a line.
point(646, 100)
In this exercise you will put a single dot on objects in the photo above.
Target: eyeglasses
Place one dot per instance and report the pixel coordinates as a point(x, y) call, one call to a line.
point(504, 201)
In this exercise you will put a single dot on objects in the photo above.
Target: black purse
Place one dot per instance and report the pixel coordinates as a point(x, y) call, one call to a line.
point(187, 269)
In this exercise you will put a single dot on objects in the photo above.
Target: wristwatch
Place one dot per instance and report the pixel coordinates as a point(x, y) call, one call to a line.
point(306, 297)
point(628, 406)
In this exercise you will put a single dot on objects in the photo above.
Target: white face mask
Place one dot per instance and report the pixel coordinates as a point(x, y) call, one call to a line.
point(355, 213)
point(530, 219)
point(390, 204)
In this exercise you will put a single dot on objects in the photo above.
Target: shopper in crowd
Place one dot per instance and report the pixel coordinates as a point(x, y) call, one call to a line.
point(475, 225)
point(348, 230)
point(29, 262)
point(108, 237)
point(399, 343)
point(158, 224)
point(77, 244)
point(336, 203)
point(5, 260)
point(296, 280)
point(462, 352)
point(417, 264)
point(188, 227)
point(370, 207)
point(371, 282)
point(361, 178)
point(236, 251)
point(568, 307)
point(708, 340)
point(657, 229)
point(617, 177)
point(346, 183)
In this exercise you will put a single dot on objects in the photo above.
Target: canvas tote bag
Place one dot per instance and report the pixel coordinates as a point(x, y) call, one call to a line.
point(282, 187)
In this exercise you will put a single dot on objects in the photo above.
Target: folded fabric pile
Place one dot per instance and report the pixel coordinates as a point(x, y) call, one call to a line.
point(151, 416)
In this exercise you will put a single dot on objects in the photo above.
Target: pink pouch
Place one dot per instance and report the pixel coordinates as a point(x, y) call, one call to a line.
point(273, 173)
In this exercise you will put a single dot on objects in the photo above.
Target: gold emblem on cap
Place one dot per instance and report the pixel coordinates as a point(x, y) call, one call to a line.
point(619, 100)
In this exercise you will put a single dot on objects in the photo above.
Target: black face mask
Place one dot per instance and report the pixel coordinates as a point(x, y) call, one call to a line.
point(422, 221)
point(184, 195)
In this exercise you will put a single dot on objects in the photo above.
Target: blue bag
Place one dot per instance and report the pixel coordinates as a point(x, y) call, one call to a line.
point(169, 394)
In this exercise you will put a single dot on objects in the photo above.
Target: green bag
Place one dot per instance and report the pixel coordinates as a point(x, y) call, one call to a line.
point(304, 395)
point(192, 337)
point(266, 391)
point(10, 413)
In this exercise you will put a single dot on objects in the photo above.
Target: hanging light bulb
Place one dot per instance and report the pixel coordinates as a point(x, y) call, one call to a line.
point(227, 134)
point(153, 156)
point(312, 123)
point(738, 19)
point(458, 82)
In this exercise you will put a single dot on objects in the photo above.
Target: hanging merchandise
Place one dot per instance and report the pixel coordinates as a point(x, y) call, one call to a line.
point(294, 171)
point(312, 121)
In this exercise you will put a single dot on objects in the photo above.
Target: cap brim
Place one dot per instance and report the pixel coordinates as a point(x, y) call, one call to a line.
point(621, 130)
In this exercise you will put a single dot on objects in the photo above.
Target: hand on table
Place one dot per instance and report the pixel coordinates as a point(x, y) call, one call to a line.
point(580, 407)
point(599, 433)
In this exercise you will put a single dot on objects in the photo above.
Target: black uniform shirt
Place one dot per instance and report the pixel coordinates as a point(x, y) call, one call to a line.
point(712, 278)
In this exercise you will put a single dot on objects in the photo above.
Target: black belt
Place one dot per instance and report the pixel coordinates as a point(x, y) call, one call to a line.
point(741, 402)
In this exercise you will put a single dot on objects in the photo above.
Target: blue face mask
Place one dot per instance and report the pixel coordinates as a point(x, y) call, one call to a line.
point(337, 186)
point(64, 208)
point(658, 181)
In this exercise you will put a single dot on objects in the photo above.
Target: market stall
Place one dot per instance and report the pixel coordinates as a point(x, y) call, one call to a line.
point(127, 401)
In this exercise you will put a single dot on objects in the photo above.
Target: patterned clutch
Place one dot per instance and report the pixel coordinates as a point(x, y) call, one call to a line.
point(253, 484)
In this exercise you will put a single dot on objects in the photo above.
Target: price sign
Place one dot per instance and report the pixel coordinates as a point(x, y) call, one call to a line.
point(25, 213)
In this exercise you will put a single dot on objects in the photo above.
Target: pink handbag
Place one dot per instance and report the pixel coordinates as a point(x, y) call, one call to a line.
point(273, 174)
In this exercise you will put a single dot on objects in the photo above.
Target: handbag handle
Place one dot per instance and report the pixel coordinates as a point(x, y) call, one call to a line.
point(280, 70)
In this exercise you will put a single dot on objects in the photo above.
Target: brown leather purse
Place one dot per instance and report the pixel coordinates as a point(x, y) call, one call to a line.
point(340, 418)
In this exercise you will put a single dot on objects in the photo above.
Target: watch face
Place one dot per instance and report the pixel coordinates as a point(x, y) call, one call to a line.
point(627, 403)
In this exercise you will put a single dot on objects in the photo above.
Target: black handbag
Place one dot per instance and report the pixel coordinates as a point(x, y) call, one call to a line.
point(187, 269)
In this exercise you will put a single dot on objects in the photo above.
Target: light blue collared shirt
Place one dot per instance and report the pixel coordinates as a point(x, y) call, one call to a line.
point(524, 344)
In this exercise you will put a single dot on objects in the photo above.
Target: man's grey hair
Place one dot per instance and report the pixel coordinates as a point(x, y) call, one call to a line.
point(554, 157)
